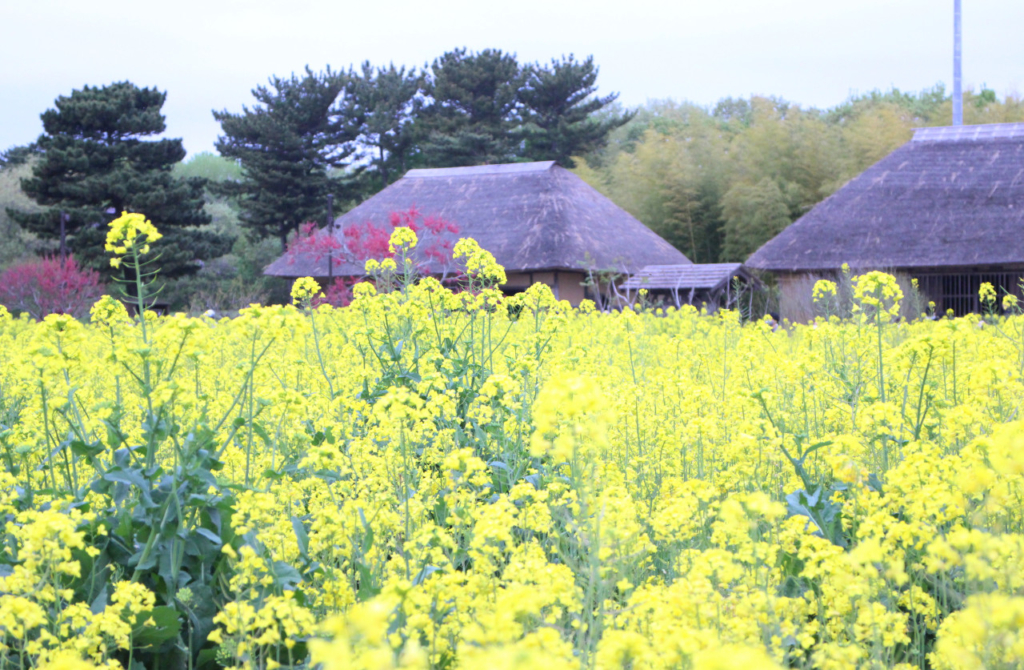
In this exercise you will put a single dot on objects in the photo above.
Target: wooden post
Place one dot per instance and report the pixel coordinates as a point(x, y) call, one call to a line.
point(330, 231)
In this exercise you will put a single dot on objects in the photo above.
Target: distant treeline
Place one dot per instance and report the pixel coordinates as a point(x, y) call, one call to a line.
point(350, 133)
point(715, 181)
point(718, 182)
point(345, 133)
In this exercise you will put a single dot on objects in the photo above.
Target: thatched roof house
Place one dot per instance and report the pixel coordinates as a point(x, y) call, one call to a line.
point(946, 208)
point(541, 222)
point(697, 284)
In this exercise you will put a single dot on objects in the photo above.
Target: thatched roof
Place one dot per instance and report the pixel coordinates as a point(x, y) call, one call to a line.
point(531, 216)
point(950, 197)
point(702, 276)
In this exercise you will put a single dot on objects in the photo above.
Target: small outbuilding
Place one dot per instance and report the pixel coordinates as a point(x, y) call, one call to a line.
point(540, 221)
point(712, 285)
point(946, 208)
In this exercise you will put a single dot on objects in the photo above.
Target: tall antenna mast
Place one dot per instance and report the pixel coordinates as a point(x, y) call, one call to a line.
point(958, 93)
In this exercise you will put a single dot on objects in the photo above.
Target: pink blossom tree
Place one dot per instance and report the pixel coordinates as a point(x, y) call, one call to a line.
point(50, 285)
point(360, 242)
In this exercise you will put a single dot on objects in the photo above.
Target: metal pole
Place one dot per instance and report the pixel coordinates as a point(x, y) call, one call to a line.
point(958, 94)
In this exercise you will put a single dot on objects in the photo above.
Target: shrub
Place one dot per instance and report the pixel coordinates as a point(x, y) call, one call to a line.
point(50, 285)
point(364, 241)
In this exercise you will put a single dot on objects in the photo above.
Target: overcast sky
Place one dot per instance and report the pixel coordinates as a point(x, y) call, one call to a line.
point(208, 54)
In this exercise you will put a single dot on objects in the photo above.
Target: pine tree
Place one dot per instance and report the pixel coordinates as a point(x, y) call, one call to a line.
point(17, 155)
point(301, 128)
point(474, 109)
point(560, 108)
point(387, 100)
point(95, 160)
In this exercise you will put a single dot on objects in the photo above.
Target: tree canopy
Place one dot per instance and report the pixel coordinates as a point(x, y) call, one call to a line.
point(301, 128)
point(473, 110)
point(95, 158)
point(386, 101)
point(560, 111)
point(352, 133)
point(719, 181)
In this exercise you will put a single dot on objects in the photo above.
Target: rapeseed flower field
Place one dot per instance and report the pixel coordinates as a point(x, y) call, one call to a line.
point(439, 479)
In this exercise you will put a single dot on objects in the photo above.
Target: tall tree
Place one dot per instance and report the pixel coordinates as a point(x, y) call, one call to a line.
point(560, 109)
point(753, 215)
point(474, 108)
point(300, 129)
point(95, 159)
point(673, 178)
point(387, 100)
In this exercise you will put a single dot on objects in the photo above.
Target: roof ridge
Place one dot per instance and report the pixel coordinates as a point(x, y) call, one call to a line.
point(474, 170)
point(983, 131)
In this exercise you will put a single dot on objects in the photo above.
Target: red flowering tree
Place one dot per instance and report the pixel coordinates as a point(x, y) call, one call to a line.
point(50, 285)
point(360, 242)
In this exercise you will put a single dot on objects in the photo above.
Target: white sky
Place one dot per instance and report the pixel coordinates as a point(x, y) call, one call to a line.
point(209, 54)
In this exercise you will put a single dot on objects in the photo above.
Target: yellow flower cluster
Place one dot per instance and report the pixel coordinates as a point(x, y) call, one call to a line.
point(128, 233)
point(480, 263)
point(878, 292)
point(304, 290)
point(403, 239)
point(823, 290)
point(39, 618)
point(438, 479)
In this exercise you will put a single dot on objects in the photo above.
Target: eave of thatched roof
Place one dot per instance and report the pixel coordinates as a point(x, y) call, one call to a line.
point(948, 198)
point(531, 216)
point(699, 276)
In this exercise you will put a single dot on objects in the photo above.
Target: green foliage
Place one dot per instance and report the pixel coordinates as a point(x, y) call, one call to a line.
point(487, 108)
point(753, 215)
point(475, 100)
point(560, 104)
point(15, 243)
point(353, 133)
point(208, 166)
point(18, 155)
point(287, 145)
point(672, 176)
point(165, 530)
point(388, 101)
point(717, 182)
point(96, 159)
point(231, 282)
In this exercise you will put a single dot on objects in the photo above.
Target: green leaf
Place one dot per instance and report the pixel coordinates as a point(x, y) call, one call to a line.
point(262, 433)
point(154, 627)
point(209, 535)
point(207, 658)
point(301, 536)
point(88, 451)
point(424, 574)
point(286, 576)
point(366, 588)
point(99, 603)
point(821, 511)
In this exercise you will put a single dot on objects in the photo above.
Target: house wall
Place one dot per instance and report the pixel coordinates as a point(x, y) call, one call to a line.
point(565, 285)
point(953, 289)
point(959, 292)
point(795, 303)
point(570, 287)
point(517, 281)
